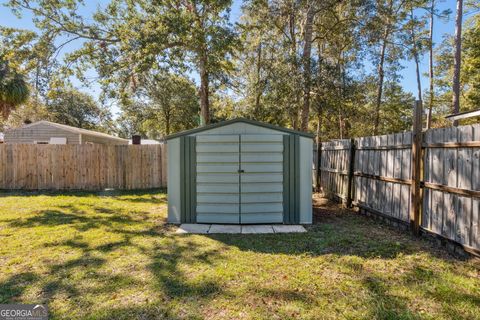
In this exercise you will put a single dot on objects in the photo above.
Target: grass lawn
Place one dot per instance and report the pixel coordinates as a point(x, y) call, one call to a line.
point(112, 256)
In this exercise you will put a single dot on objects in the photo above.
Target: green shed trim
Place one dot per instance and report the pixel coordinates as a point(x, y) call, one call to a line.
point(240, 120)
point(188, 191)
point(286, 179)
point(291, 179)
point(296, 212)
point(239, 179)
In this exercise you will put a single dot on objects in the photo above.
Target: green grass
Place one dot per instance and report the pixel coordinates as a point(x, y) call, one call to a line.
point(112, 256)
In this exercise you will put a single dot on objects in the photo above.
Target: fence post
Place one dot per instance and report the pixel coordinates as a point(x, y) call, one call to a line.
point(415, 192)
point(319, 163)
point(351, 168)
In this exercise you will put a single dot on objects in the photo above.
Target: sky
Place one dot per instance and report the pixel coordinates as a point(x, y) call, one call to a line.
point(442, 28)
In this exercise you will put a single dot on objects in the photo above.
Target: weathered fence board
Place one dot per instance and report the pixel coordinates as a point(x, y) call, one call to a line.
point(334, 167)
point(382, 178)
point(452, 215)
point(379, 162)
point(82, 167)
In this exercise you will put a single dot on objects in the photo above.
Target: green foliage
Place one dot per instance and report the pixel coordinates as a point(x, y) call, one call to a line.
point(397, 109)
point(37, 56)
point(26, 112)
point(336, 63)
point(128, 38)
point(271, 78)
point(77, 109)
point(471, 63)
point(470, 74)
point(16, 46)
point(164, 104)
point(13, 89)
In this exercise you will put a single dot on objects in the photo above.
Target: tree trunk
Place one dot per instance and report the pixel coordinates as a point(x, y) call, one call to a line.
point(294, 121)
point(307, 49)
point(340, 125)
point(457, 60)
point(295, 64)
point(381, 76)
point(167, 124)
point(346, 124)
point(5, 109)
point(381, 71)
point(319, 127)
point(415, 57)
point(204, 83)
point(430, 71)
point(319, 151)
point(256, 110)
point(202, 55)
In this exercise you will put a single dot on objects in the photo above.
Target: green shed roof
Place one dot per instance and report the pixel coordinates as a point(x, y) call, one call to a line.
point(242, 120)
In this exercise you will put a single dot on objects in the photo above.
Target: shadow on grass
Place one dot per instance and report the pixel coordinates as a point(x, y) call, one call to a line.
point(12, 288)
point(148, 311)
point(442, 290)
point(322, 240)
point(349, 241)
point(337, 238)
point(171, 280)
point(77, 279)
point(385, 305)
point(285, 295)
point(77, 218)
point(339, 232)
point(73, 279)
point(154, 199)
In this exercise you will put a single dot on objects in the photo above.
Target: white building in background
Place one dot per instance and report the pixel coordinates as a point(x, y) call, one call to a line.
point(147, 141)
point(46, 132)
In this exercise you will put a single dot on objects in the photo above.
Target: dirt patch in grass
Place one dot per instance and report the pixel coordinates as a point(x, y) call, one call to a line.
point(113, 256)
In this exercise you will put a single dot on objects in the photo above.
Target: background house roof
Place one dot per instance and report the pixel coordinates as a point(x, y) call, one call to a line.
point(70, 129)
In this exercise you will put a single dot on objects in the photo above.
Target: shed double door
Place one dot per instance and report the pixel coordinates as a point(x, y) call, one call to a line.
point(239, 179)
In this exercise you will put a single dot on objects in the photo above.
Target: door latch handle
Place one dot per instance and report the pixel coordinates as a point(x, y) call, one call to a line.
point(241, 171)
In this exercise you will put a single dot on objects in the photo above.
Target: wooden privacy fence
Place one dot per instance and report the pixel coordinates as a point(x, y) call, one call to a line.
point(378, 174)
point(82, 167)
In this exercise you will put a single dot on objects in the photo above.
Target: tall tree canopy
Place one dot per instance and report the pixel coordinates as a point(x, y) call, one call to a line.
point(164, 103)
point(77, 109)
point(128, 38)
point(331, 67)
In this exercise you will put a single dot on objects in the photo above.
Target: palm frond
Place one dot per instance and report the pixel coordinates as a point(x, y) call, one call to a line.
point(14, 90)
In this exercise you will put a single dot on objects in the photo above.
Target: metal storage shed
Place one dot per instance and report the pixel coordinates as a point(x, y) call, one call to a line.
point(240, 172)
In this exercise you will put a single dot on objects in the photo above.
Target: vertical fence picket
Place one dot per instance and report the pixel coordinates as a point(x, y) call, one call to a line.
point(82, 167)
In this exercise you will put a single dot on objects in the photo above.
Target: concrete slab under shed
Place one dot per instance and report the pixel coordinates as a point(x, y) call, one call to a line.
point(288, 228)
point(236, 229)
point(225, 228)
point(254, 229)
point(193, 228)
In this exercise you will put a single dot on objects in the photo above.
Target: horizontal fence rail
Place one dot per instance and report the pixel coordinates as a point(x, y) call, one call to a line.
point(82, 167)
point(449, 179)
